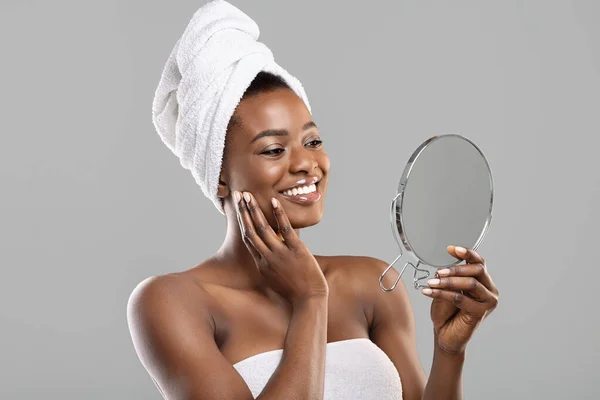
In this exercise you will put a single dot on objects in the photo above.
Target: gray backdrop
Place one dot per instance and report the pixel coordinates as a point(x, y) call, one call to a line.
point(92, 202)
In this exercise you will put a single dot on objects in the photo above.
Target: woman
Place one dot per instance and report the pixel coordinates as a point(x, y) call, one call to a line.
point(258, 319)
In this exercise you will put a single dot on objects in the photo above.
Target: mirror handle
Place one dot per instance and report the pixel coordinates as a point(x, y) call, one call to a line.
point(416, 280)
point(397, 279)
point(422, 277)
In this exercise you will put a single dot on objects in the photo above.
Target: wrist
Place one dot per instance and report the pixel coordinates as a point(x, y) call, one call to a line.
point(313, 300)
point(445, 352)
point(449, 355)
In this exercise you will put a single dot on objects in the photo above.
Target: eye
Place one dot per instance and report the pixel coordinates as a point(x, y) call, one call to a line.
point(315, 143)
point(273, 152)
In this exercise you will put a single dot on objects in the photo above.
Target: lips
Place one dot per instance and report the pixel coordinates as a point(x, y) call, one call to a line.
point(300, 190)
point(307, 182)
point(305, 193)
point(304, 199)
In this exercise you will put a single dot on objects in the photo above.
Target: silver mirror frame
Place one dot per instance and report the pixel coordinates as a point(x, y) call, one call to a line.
point(396, 220)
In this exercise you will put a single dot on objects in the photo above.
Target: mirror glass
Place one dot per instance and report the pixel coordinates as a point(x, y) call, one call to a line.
point(446, 198)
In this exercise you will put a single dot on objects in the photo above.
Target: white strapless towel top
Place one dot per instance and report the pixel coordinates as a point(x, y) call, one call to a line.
point(355, 369)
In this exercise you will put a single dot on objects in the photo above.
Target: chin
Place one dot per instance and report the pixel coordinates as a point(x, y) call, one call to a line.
point(303, 219)
point(304, 215)
point(304, 223)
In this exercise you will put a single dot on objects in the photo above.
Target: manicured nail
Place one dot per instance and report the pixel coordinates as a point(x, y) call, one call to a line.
point(274, 202)
point(236, 196)
point(433, 282)
point(460, 250)
point(247, 197)
point(427, 291)
point(443, 272)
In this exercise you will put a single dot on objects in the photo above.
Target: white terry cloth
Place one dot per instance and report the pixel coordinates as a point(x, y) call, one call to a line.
point(355, 369)
point(205, 76)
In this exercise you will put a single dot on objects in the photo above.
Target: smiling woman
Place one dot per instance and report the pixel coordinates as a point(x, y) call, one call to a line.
point(273, 149)
point(264, 317)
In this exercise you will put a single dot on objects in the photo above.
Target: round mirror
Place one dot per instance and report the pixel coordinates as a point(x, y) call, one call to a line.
point(445, 197)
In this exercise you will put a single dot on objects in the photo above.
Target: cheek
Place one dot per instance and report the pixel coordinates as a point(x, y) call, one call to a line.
point(259, 175)
point(270, 173)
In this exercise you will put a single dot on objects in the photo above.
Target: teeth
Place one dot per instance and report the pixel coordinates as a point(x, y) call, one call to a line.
point(301, 190)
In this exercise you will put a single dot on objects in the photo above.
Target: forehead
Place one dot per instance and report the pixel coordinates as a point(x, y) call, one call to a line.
point(278, 109)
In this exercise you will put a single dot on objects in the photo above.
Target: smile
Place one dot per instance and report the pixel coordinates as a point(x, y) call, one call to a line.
point(300, 190)
point(305, 194)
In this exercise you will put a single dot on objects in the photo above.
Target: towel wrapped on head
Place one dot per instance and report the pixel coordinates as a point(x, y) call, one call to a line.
point(205, 76)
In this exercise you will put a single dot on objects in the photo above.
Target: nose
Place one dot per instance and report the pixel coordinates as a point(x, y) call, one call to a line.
point(303, 160)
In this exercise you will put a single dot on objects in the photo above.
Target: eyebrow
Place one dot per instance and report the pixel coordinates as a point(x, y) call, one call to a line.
point(281, 132)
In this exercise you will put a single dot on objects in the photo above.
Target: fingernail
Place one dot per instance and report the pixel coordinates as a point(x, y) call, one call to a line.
point(236, 196)
point(460, 250)
point(247, 197)
point(427, 291)
point(434, 282)
point(443, 272)
point(274, 202)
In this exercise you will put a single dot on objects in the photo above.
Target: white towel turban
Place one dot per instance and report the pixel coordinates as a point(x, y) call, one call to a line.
point(207, 72)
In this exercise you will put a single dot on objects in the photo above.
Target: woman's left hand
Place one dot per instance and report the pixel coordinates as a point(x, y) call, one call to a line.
point(463, 296)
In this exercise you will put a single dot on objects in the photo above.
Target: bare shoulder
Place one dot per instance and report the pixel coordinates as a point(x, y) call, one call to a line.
point(172, 330)
point(161, 292)
point(360, 271)
point(173, 299)
point(162, 301)
point(357, 278)
point(187, 289)
point(364, 272)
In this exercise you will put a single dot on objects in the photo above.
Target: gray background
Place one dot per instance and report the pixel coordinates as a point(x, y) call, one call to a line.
point(92, 202)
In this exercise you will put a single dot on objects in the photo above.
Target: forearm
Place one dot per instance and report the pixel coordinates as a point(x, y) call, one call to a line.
point(445, 378)
point(300, 374)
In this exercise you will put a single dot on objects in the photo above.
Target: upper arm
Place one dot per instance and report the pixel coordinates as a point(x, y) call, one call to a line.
point(393, 328)
point(172, 334)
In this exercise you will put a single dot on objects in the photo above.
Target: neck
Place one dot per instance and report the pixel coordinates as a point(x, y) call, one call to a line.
point(235, 255)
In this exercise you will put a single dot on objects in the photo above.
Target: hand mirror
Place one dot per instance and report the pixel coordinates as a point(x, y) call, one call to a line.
point(444, 198)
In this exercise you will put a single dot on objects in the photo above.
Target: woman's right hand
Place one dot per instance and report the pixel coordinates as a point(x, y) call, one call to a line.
point(288, 266)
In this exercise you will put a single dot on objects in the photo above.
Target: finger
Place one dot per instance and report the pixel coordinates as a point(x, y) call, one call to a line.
point(470, 285)
point(261, 225)
point(248, 231)
point(470, 306)
point(283, 224)
point(253, 252)
point(469, 255)
point(477, 270)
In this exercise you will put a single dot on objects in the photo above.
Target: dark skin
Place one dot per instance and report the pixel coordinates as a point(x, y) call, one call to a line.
point(189, 328)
